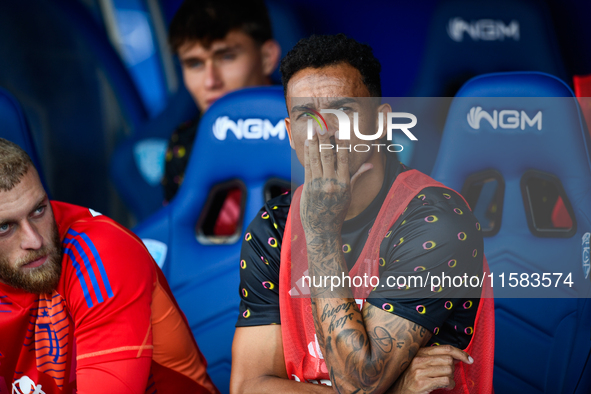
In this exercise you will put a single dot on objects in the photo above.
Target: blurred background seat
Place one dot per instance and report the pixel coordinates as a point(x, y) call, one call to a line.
point(513, 179)
point(468, 38)
point(15, 128)
point(79, 98)
point(241, 147)
point(137, 164)
point(93, 75)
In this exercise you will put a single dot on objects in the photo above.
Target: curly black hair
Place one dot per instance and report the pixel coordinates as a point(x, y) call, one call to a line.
point(208, 20)
point(325, 50)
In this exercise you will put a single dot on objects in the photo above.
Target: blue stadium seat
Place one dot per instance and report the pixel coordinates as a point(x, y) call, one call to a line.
point(140, 37)
point(14, 127)
point(138, 162)
point(468, 38)
point(571, 18)
point(78, 97)
point(395, 30)
point(542, 344)
point(241, 138)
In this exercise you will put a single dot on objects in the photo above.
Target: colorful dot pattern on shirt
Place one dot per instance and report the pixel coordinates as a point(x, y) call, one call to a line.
point(177, 157)
point(400, 240)
point(431, 245)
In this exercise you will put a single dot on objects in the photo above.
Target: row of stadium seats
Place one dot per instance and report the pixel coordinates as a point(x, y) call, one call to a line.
point(542, 345)
point(89, 96)
point(89, 77)
point(463, 39)
point(78, 110)
point(532, 335)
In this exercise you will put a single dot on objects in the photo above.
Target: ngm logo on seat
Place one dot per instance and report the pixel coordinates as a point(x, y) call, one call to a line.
point(482, 30)
point(504, 119)
point(254, 128)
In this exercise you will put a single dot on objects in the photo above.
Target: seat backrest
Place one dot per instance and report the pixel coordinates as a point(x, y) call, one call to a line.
point(14, 127)
point(399, 50)
point(541, 345)
point(136, 29)
point(468, 38)
point(241, 139)
point(137, 163)
point(79, 104)
point(571, 18)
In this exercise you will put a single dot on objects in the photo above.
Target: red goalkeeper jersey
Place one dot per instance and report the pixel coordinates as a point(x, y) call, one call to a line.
point(112, 304)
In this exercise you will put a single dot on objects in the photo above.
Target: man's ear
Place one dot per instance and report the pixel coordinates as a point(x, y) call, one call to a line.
point(288, 128)
point(384, 108)
point(270, 53)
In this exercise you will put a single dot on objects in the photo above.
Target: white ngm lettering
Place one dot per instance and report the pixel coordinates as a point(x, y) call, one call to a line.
point(482, 30)
point(253, 129)
point(509, 119)
point(505, 119)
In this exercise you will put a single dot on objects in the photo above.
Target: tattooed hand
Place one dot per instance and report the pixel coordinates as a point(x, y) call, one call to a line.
point(431, 369)
point(365, 351)
point(328, 184)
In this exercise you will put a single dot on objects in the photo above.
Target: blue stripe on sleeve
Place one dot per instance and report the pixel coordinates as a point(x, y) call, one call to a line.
point(98, 260)
point(80, 277)
point(89, 268)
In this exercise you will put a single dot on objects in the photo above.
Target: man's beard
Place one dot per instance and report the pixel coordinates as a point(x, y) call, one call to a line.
point(38, 280)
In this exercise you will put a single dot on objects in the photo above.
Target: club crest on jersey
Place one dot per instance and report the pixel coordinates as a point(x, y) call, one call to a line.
point(25, 385)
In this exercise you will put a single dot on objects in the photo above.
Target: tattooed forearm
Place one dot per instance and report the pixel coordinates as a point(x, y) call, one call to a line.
point(382, 339)
point(365, 352)
point(327, 252)
point(319, 328)
point(329, 312)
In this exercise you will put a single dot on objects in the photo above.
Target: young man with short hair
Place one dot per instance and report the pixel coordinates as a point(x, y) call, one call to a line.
point(223, 45)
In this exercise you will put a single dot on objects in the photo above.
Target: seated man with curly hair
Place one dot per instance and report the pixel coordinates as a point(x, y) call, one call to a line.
point(351, 198)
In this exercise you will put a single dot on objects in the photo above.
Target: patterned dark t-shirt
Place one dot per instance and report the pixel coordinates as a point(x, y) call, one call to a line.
point(437, 234)
point(177, 156)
